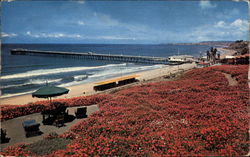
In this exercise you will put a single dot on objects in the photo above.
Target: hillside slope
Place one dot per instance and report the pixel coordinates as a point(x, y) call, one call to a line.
point(242, 47)
point(199, 114)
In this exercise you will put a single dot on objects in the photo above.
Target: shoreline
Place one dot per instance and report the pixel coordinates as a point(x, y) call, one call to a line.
point(87, 88)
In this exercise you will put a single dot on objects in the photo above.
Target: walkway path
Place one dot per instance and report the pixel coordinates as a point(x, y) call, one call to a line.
point(16, 132)
point(231, 80)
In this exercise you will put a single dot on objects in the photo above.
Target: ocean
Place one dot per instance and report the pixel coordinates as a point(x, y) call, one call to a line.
point(25, 74)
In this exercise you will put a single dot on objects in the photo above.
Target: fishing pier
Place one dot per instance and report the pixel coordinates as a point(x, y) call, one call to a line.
point(93, 56)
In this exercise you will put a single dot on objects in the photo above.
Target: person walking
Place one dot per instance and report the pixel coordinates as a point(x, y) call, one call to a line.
point(211, 49)
point(211, 54)
point(218, 55)
point(214, 55)
point(215, 51)
point(208, 55)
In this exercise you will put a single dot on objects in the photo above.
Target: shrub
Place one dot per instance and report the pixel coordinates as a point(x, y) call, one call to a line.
point(47, 146)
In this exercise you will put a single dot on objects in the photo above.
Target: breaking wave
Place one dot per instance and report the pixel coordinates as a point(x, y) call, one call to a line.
point(80, 77)
point(31, 82)
point(54, 71)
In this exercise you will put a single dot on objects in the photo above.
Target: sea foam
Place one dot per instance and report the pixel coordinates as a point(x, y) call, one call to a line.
point(31, 82)
point(40, 72)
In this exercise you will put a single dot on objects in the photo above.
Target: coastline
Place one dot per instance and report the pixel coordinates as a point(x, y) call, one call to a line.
point(87, 89)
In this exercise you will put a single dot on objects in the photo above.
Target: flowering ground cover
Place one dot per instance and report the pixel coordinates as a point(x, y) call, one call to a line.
point(198, 115)
point(13, 111)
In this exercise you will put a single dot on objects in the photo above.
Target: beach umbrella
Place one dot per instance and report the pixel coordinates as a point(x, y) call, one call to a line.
point(50, 91)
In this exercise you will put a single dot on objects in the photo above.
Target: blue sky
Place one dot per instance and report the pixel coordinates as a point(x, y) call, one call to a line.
point(123, 22)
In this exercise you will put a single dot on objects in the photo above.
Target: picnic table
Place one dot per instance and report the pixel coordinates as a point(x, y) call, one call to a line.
point(55, 115)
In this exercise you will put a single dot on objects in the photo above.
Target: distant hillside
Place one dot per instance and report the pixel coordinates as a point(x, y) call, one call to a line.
point(242, 47)
point(216, 43)
point(210, 43)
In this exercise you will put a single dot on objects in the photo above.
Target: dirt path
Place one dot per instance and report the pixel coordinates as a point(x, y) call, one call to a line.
point(231, 80)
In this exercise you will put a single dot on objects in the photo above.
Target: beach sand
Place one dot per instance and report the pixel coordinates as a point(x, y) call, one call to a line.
point(87, 89)
point(225, 52)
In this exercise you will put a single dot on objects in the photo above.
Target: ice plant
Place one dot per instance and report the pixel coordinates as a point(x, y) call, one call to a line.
point(199, 114)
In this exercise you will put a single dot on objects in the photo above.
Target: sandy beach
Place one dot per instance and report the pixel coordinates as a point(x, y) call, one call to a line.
point(87, 89)
point(225, 52)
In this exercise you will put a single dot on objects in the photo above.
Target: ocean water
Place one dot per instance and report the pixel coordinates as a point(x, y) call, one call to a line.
point(25, 74)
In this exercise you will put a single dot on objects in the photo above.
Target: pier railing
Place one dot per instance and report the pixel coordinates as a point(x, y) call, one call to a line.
point(93, 56)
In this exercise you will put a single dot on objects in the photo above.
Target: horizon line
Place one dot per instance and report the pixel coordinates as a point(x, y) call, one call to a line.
point(128, 43)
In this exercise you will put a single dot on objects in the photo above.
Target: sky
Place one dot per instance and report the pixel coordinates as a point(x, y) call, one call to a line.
point(123, 22)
